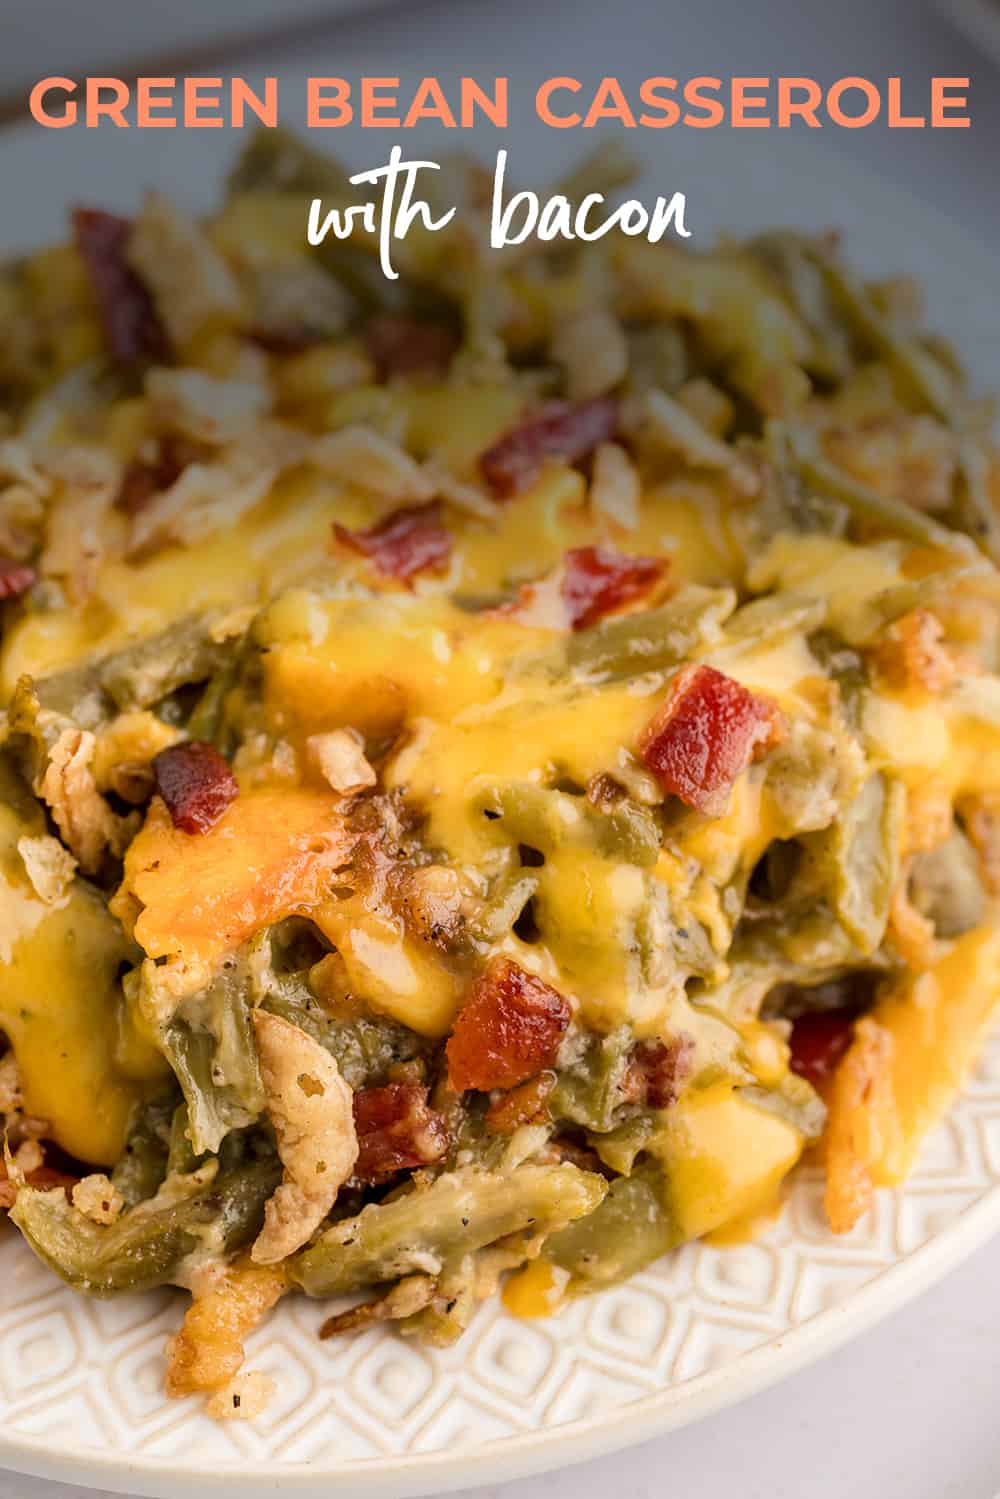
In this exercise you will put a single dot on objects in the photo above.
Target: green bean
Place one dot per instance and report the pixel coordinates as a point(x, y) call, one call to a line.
point(364, 1046)
point(458, 1213)
point(214, 1108)
point(856, 860)
point(806, 288)
point(621, 1146)
point(631, 1228)
point(147, 1246)
point(785, 502)
point(845, 667)
point(546, 820)
point(210, 1045)
point(795, 1101)
point(144, 1164)
point(773, 618)
point(588, 1092)
point(181, 1158)
point(947, 888)
point(657, 358)
point(922, 379)
point(654, 639)
point(208, 718)
point(804, 776)
point(136, 676)
point(185, 652)
point(447, 1316)
point(865, 505)
point(509, 894)
point(666, 422)
point(75, 696)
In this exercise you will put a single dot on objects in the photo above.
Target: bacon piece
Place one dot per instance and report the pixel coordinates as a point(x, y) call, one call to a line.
point(598, 580)
point(128, 316)
point(397, 1131)
point(522, 1105)
point(411, 540)
point(15, 578)
point(401, 345)
point(559, 430)
point(705, 735)
point(508, 1031)
point(656, 1071)
point(819, 1040)
point(196, 783)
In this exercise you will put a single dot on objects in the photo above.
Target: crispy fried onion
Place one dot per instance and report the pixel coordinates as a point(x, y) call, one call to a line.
point(860, 1110)
point(213, 496)
point(206, 1355)
point(85, 821)
point(311, 1108)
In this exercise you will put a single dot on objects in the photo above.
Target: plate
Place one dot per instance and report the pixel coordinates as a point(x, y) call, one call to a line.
point(80, 1382)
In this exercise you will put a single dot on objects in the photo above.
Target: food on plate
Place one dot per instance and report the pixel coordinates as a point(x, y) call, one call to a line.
point(495, 766)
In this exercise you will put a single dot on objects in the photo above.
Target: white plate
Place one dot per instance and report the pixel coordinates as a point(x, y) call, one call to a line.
point(80, 1382)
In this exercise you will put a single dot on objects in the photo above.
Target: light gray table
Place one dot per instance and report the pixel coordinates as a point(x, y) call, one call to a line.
point(909, 1410)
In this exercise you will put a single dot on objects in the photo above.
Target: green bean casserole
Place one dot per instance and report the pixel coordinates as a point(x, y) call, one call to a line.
point(495, 766)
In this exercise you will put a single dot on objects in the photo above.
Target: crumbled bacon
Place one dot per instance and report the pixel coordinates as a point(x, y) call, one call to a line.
point(144, 479)
point(656, 1071)
point(818, 1042)
point(522, 1105)
point(401, 345)
point(598, 580)
point(705, 735)
point(128, 317)
point(397, 1131)
point(44, 1178)
point(508, 1031)
point(15, 578)
point(411, 540)
point(559, 430)
point(196, 784)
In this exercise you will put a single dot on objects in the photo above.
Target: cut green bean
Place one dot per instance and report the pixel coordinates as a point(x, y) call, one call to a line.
point(140, 1172)
point(654, 639)
point(460, 1212)
point(865, 505)
point(631, 1228)
point(922, 379)
point(147, 1246)
point(546, 820)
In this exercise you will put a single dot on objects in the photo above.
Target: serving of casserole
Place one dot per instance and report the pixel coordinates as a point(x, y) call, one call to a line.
point(495, 766)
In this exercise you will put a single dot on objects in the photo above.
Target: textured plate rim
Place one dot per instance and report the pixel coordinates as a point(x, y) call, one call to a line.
point(751, 1373)
point(535, 1452)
